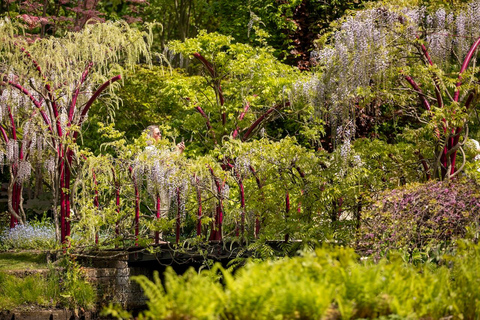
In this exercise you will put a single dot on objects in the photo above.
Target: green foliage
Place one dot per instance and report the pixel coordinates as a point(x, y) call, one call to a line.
point(15, 292)
point(243, 75)
point(65, 288)
point(22, 261)
point(330, 283)
point(74, 291)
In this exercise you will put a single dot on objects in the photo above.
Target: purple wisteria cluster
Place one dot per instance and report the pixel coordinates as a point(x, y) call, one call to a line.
point(28, 236)
point(369, 48)
point(420, 215)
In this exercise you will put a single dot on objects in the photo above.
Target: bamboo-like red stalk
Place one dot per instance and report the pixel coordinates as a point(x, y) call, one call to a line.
point(240, 118)
point(71, 112)
point(259, 184)
point(4, 134)
point(207, 121)
point(419, 91)
point(261, 118)
point(34, 101)
point(157, 234)
point(453, 156)
point(217, 87)
point(216, 233)
point(96, 203)
point(92, 100)
point(302, 175)
point(117, 201)
point(456, 97)
point(137, 206)
point(177, 230)
point(425, 166)
point(464, 67)
point(62, 202)
point(199, 212)
point(287, 211)
point(207, 64)
point(435, 80)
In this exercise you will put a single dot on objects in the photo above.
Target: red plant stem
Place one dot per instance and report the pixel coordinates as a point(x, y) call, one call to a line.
point(157, 234)
point(207, 64)
point(71, 112)
point(302, 175)
point(242, 205)
point(34, 62)
point(240, 118)
point(457, 133)
point(34, 101)
point(425, 102)
point(287, 211)
point(419, 91)
point(96, 203)
point(47, 86)
point(92, 100)
point(425, 166)
point(464, 67)
point(67, 199)
point(456, 97)
point(207, 121)
point(4, 134)
point(217, 87)
point(62, 201)
point(117, 201)
point(259, 184)
point(13, 220)
point(199, 213)
point(216, 233)
point(435, 80)
point(137, 206)
point(177, 231)
point(12, 123)
point(261, 118)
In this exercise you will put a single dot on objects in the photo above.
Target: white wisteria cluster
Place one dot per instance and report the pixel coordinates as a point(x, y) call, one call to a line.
point(160, 170)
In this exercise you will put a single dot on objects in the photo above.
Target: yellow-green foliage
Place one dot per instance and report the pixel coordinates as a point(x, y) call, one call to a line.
point(57, 289)
point(325, 284)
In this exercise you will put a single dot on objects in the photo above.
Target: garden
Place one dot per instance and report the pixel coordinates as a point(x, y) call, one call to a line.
point(330, 147)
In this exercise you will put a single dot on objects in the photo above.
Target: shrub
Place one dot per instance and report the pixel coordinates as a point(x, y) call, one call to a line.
point(327, 284)
point(420, 217)
point(29, 236)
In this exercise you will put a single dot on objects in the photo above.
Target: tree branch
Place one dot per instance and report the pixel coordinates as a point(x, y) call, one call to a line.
point(262, 118)
point(92, 100)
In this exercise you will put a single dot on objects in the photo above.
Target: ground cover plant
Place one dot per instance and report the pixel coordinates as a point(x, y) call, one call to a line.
point(22, 261)
point(59, 286)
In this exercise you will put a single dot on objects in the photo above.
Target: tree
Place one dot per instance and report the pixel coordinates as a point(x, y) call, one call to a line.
point(43, 17)
point(60, 78)
point(411, 58)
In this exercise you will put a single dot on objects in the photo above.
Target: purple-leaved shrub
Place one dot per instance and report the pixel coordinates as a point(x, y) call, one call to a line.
point(420, 217)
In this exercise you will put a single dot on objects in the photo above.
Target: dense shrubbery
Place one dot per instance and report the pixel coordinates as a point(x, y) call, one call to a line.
point(327, 284)
point(420, 217)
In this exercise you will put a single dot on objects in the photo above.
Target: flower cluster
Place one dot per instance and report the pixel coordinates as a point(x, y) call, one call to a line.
point(420, 215)
point(28, 236)
point(375, 43)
